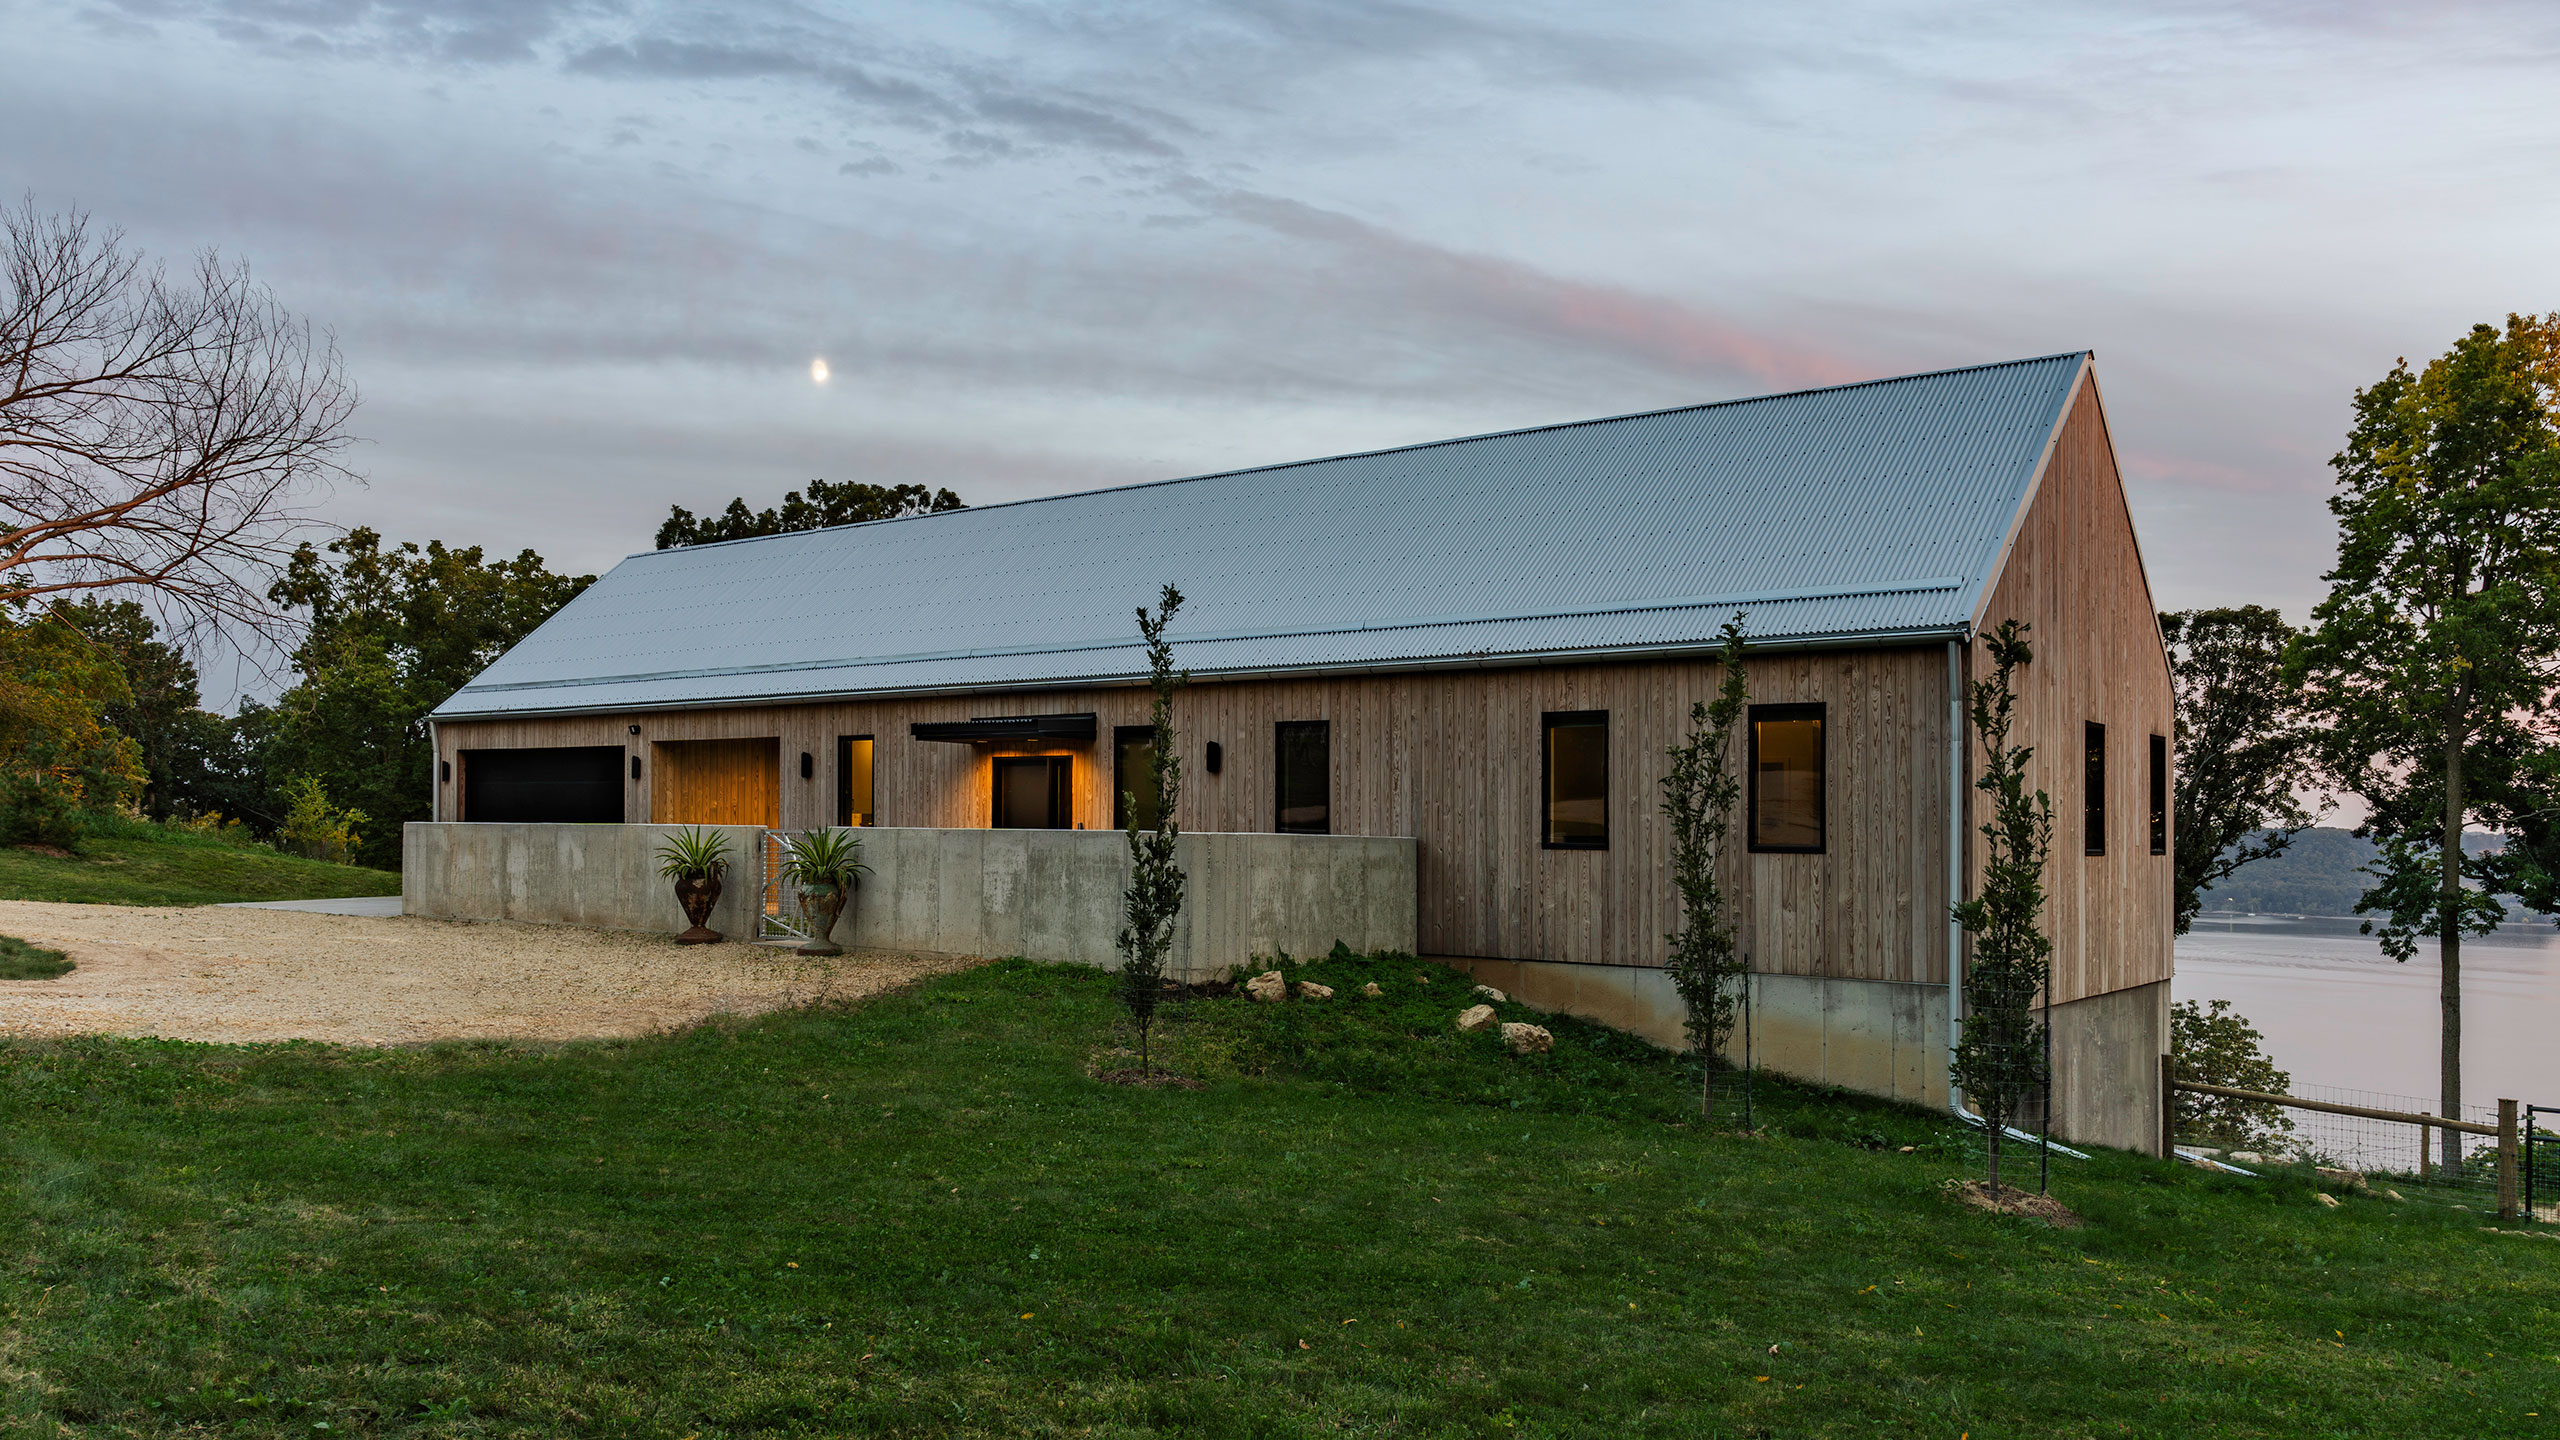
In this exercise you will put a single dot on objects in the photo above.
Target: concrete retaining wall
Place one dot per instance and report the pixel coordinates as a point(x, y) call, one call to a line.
point(1045, 894)
point(1881, 1037)
point(605, 876)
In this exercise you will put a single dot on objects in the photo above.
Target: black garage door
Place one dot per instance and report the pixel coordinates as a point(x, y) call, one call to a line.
point(570, 784)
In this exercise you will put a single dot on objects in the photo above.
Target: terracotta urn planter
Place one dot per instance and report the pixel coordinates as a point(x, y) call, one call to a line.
point(823, 905)
point(697, 896)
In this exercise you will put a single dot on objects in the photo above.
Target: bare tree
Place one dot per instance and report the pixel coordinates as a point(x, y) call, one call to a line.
point(154, 433)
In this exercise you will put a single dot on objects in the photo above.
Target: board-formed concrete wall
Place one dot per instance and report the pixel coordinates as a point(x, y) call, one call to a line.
point(604, 876)
point(1044, 894)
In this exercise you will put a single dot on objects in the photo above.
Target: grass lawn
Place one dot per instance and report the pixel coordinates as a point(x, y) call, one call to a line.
point(22, 961)
point(920, 1216)
point(137, 863)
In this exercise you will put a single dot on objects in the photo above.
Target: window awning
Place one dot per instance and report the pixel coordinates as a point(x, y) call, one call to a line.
point(990, 729)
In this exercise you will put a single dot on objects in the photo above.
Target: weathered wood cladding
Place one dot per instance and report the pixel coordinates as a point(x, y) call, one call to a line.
point(2075, 574)
point(1450, 758)
point(714, 782)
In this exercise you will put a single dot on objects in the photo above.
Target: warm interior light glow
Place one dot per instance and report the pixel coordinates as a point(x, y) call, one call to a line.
point(818, 371)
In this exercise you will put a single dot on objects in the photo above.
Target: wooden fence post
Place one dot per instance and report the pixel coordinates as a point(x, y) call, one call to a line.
point(2506, 1159)
point(2168, 1107)
point(2426, 1138)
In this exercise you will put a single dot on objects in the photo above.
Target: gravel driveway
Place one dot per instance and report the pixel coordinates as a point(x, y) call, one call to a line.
point(225, 974)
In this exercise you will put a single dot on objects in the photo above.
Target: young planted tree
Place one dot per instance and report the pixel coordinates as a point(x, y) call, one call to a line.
point(2000, 1055)
point(2243, 746)
point(1154, 897)
point(2433, 657)
point(1697, 797)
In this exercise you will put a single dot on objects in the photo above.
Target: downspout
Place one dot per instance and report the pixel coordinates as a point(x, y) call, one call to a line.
point(1955, 866)
point(435, 767)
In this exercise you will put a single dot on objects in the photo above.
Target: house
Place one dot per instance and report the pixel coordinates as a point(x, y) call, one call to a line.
point(1485, 645)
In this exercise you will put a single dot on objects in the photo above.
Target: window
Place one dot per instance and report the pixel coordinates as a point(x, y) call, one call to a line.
point(1303, 800)
point(2093, 786)
point(1133, 774)
point(853, 781)
point(1575, 777)
point(2159, 794)
point(1787, 814)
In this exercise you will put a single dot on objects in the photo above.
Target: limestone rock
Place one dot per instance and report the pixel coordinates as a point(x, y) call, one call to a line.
point(2345, 1179)
point(1267, 987)
point(1488, 992)
point(1474, 1018)
point(1310, 990)
point(1371, 990)
point(2325, 1198)
point(1526, 1039)
point(2247, 1157)
point(2396, 1195)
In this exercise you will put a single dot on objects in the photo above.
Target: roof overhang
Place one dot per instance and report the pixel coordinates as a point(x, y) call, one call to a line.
point(1078, 728)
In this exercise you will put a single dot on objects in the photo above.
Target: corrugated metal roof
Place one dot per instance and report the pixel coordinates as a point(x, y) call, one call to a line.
point(1858, 511)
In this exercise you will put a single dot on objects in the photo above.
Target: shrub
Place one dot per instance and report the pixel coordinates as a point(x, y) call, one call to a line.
point(313, 826)
point(2218, 1046)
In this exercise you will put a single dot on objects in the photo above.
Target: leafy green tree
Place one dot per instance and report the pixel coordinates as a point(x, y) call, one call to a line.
point(59, 758)
point(393, 631)
point(827, 503)
point(2218, 1046)
point(1154, 897)
point(2243, 745)
point(1999, 1058)
point(190, 755)
point(1698, 793)
point(2433, 657)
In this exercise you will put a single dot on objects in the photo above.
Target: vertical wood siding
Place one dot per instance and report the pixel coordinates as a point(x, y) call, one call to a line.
point(2075, 575)
point(716, 782)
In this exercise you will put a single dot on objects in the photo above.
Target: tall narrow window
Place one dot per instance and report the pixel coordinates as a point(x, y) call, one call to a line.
point(1302, 751)
point(2159, 794)
point(853, 781)
point(1575, 768)
point(2093, 803)
point(1788, 812)
point(1133, 775)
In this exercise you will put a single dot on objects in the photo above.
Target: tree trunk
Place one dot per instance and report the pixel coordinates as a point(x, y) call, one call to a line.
point(2449, 934)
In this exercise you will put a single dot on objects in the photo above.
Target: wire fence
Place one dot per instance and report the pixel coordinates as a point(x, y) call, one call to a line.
point(2411, 1160)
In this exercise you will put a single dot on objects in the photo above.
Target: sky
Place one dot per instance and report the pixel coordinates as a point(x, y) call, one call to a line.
point(581, 257)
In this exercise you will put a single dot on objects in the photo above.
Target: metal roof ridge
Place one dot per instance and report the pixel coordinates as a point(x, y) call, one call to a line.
point(989, 652)
point(1738, 400)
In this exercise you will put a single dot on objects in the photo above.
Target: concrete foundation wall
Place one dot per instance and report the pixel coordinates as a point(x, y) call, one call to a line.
point(1045, 894)
point(1881, 1038)
point(2106, 1067)
point(605, 876)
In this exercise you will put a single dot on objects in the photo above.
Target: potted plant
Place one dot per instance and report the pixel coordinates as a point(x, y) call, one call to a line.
point(695, 859)
point(825, 866)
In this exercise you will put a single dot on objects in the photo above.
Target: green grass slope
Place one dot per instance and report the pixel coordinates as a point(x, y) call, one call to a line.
point(921, 1216)
point(135, 863)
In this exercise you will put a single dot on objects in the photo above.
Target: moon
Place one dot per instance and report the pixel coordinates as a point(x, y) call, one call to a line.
point(818, 370)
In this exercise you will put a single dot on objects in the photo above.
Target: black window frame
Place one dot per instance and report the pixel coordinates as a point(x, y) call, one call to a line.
point(1121, 735)
point(1548, 723)
point(2093, 789)
point(844, 779)
point(2159, 794)
point(1818, 712)
point(1280, 776)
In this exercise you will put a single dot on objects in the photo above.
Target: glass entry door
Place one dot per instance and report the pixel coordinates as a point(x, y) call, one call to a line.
point(1033, 792)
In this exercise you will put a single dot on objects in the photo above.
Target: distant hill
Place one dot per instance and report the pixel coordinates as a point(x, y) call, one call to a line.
point(2322, 874)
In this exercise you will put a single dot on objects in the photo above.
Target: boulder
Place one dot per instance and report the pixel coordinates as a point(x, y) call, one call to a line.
point(1310, 990)
point(1267, 987)
point(2247, 1157)
point(1488, 992)
point(2325, 1198)
point(2344, 1179)
point(1474, 1018)
point(1526, 1039)
point(1371, 989)
point(2396, 1195)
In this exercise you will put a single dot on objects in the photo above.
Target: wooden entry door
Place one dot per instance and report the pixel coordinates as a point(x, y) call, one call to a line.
point(717, 782)
point(1033, 792)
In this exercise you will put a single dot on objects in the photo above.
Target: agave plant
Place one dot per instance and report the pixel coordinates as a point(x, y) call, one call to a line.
point(694, 853)
point(823, 857)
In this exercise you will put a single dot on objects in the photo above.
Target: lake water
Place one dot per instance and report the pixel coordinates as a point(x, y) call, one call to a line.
point(2341, 1016)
